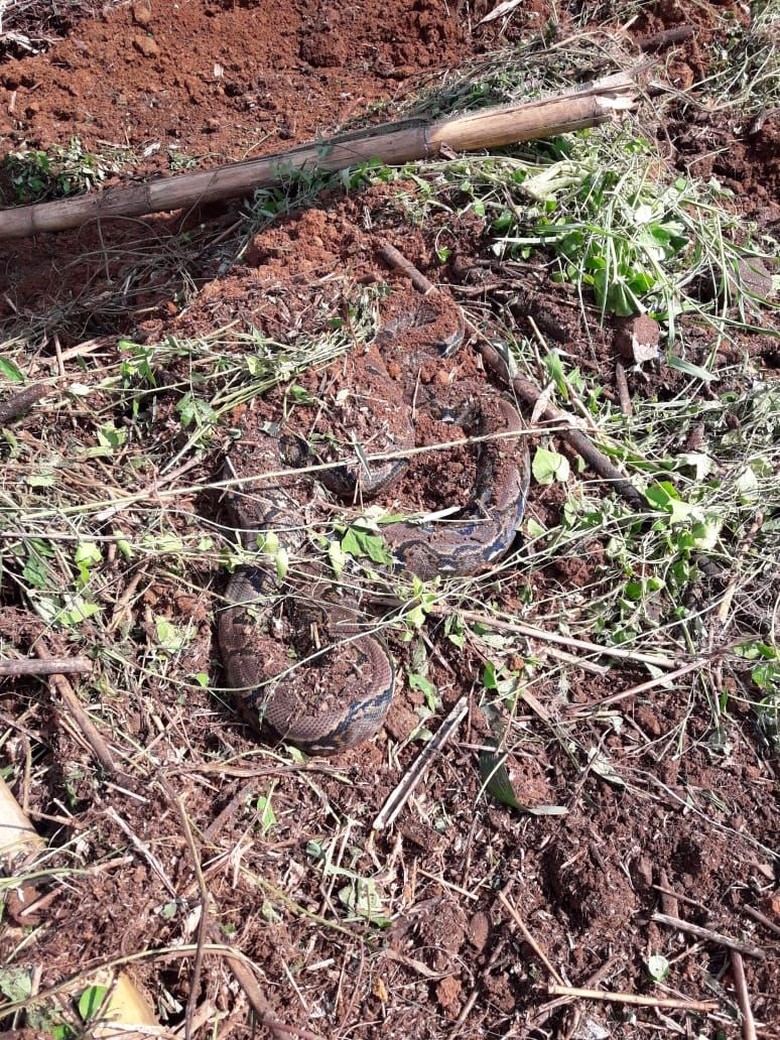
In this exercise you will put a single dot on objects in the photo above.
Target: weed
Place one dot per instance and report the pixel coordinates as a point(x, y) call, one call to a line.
point(36, 175)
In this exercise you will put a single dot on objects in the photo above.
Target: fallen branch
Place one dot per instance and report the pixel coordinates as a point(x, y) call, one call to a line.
point(20, 403)
point(54, 666)
point(390, 143)
point(88, 730)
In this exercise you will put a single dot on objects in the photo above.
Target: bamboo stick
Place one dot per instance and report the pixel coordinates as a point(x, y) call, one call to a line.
point(389, 143)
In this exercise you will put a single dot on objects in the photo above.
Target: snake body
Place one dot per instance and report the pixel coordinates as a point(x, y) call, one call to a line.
point(349, 686)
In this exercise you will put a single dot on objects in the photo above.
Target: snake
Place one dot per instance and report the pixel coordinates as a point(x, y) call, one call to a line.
point(350, 681)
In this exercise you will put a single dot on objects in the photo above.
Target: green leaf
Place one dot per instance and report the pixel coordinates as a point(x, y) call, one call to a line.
point(337, 557)
point(9, 371)
point(658, 967)
point(42, 479)
point(15, 983)
point(91, 1001)
point(428, 689)
point(267, 816)
point(689, 369)
point(169, 636)
point(548, 466)
point(110, 437)
point(359, 541)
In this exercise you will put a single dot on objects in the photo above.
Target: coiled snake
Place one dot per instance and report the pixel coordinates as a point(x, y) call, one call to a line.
point(344, 697)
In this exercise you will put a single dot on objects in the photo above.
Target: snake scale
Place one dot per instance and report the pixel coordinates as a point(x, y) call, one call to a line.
point(344, 695)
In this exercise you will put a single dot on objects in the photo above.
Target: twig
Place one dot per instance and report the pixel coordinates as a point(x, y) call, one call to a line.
point(472, 997)
point(527, 392)
point(577, 440)
point(762, 919)
point(597, 976)
point(52, 666)
point(622, 388)
point(73, 704)
point(203, 923)
point(637, 999)
point(743, 998)
point(659, 40)
point(246, 980)
point(145, 851)
point(678, 896)
point(649, 684)
point(403, 791)
point(529, 938)
point(552, 637)
point(706, 933)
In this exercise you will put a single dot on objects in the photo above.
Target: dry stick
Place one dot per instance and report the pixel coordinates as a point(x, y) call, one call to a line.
point(53, 666)
point(761, 918)
point(637, 999)
point(529, 938)
point(547, 1010)
point(144, 850)
point(582, 710)
point(246, 980)
point(743, 999)
point(419, 767)
point(621, 381)
point(665, 38)
point(526, 390)
point(203, 923)
point(518, 628)
point(390, 143)
point(706, 933)
point(73, 704)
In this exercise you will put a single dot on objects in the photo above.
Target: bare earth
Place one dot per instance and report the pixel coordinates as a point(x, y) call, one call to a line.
point(684, 830)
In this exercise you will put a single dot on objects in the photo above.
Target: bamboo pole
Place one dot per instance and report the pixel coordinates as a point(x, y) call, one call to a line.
point(390, 143)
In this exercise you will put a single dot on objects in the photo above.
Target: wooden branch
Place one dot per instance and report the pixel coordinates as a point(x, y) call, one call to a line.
point(743, 997)
point(53, 666)
point(390, 143)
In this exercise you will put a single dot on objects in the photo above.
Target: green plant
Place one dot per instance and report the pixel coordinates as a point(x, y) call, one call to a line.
point(35, 174)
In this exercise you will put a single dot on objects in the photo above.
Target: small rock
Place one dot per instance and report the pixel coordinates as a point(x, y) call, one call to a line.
point(142, 12)
point(478, 930)
point(755, 278)
point(448, 992)
point(147, 46)
point(637, 339)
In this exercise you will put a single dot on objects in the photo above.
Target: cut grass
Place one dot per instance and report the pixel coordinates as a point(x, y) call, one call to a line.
point(103, 535)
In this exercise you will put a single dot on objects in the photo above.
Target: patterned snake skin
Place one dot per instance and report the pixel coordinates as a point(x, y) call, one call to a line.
point(342, 699)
